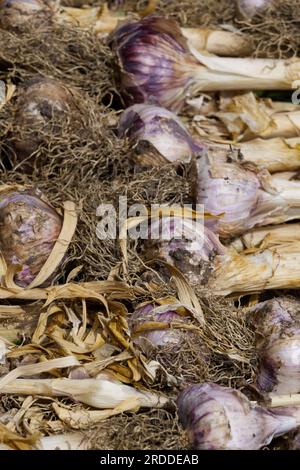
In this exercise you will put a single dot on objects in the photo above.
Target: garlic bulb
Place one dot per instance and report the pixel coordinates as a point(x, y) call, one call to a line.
point(29, 228)
point(161, 128)
point(155, 338)
point(102, 392)
point(41, 102)
point(156, 65)
point(277, 324)
point(155, 62)
point(220, 418)
point(243, 196)
point(249, 8)
point(13, 13)
point(184, 243)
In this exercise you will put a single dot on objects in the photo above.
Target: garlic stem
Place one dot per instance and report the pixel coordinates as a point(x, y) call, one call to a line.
point(272, 268)
point(284, 400)
point(219, 74)
point(267, 236)
point(223, 43)
point(98, 393)
point(276, 154)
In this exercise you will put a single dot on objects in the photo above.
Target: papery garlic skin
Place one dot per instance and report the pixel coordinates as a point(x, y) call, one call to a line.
point(40, 103)
point(279, 371)
point(29, 228)
point(162, 128)
point(14, 13)
point(156, 65)
point(269, 318)
point(249, 8)
point(220, 418)
point(277, 324)
point(242, 195)
point(188, 245)
point(160, 337)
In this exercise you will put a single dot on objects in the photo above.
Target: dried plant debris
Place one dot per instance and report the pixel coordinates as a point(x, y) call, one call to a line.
point(151, 430)
point(75, 56)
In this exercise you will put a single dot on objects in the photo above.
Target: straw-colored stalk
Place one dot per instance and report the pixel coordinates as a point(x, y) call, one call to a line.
point(6, 93)
point(10, 440)
point(100, 393)
point(219, 42)
point(85, 290)
point(271, 268)
point(103, 21)
point(284, 125)
point(277, 154)
point(284, 400)
point(99, 19)
point(247, 117)
point(83, 418)
point(267, 236)
point(218, 73)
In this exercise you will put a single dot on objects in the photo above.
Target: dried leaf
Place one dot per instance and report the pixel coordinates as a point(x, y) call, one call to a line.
point(61, 246)
point(32, 369)
point(15, 441)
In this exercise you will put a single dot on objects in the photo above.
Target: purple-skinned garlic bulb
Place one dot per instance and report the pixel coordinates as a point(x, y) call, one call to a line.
point(147, 339)
point(155, 62)
point(221, 418)
point(187, 244)
point(248, 8)
point(166, 333)
point(29, 228)
point(242, 195)
point(277, 326)
point(156, 65)
point(160, 128)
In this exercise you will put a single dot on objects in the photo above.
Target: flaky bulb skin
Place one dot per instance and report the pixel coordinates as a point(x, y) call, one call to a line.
point(188, 245)
point(227, 189)
point(277, 326)
point(29, 228)
point(248, 8)
point(13, 13)
point(161, 128)
point(154, 62)
point(220, 418)
point(156, 338)
point(41, 102)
